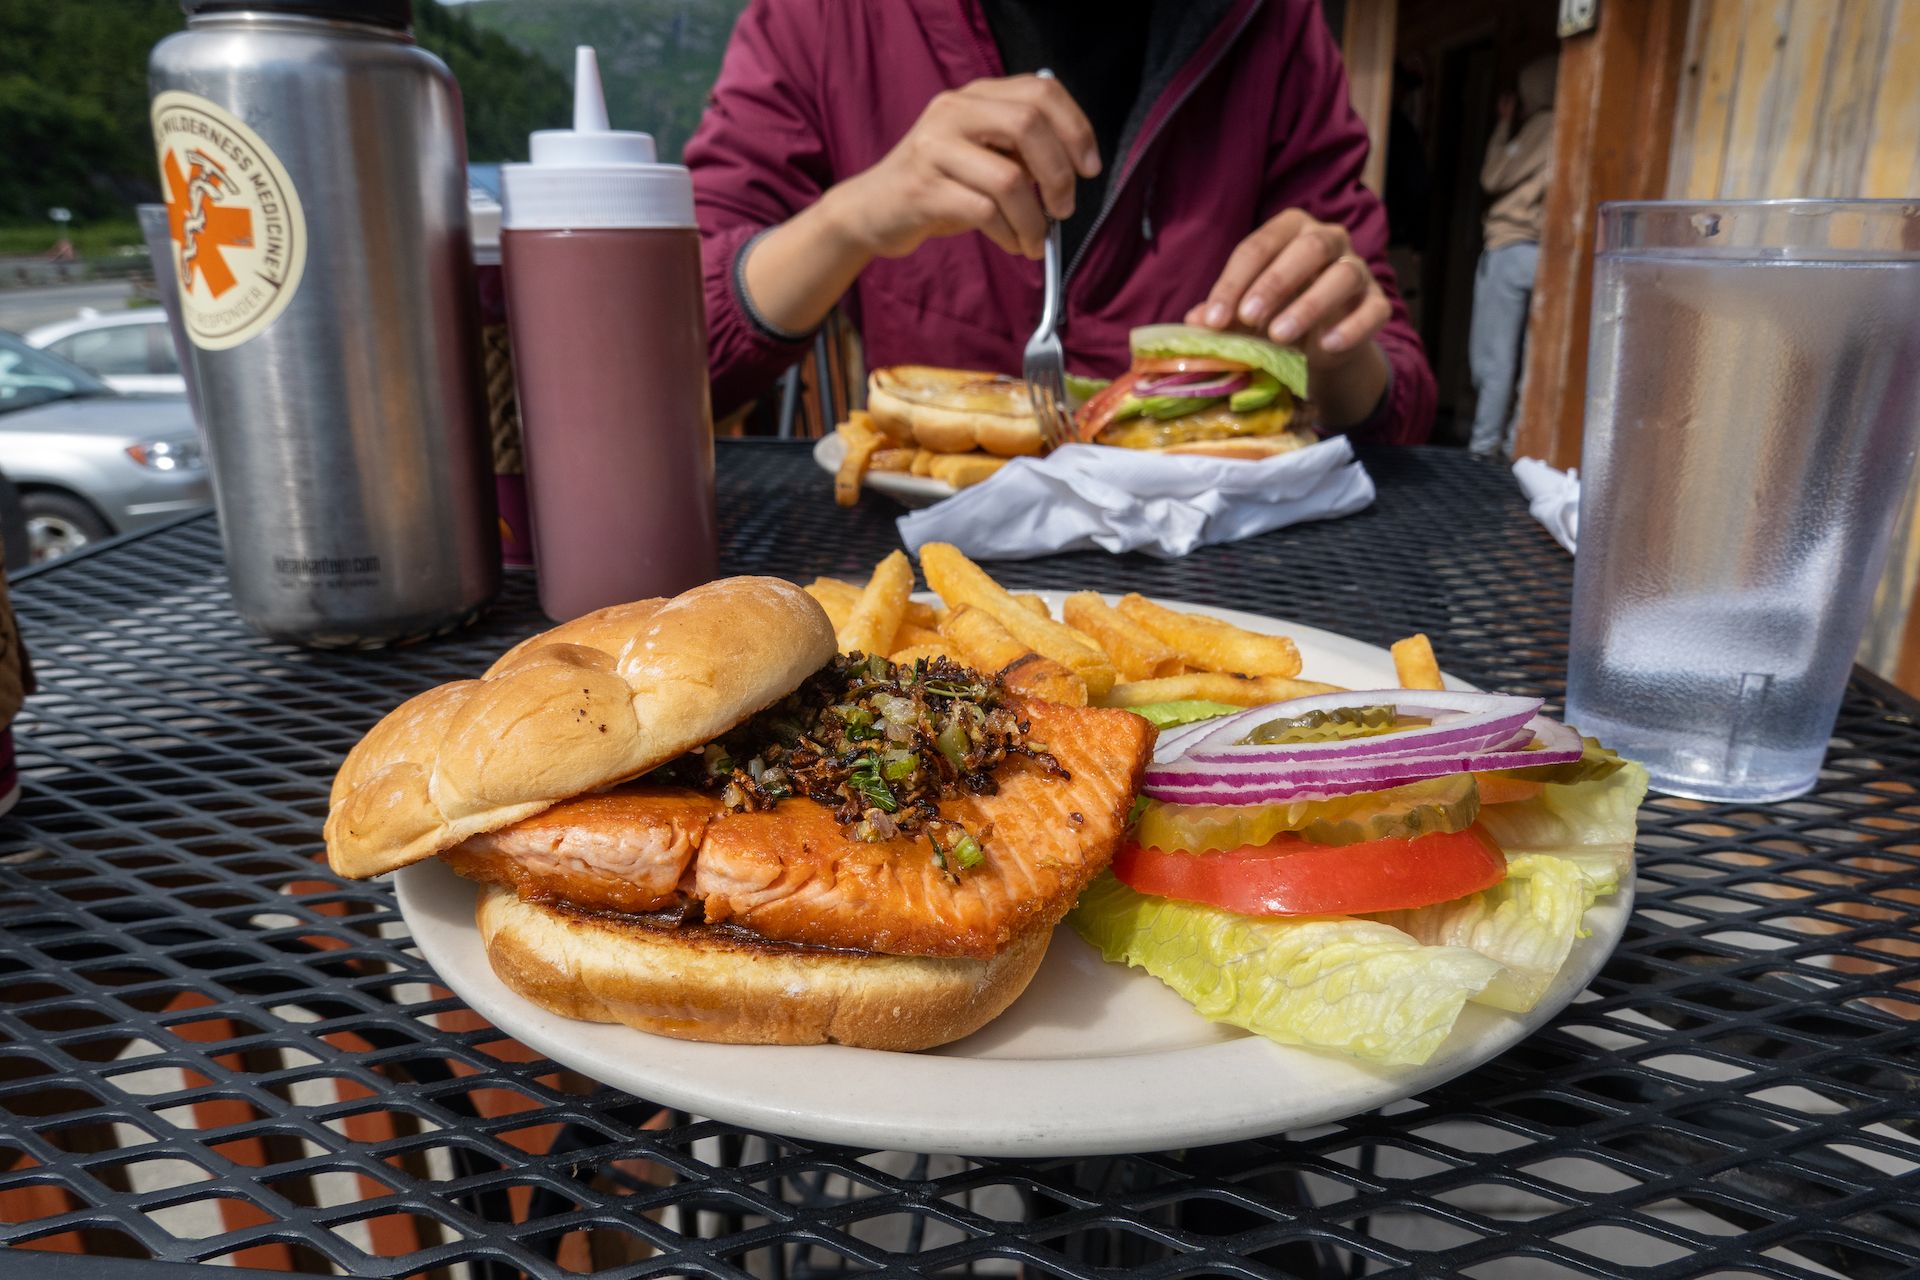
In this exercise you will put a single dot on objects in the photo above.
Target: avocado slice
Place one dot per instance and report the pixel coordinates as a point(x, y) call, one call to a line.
point(1082, 388)
point(1163, 407)
point(1257, 394)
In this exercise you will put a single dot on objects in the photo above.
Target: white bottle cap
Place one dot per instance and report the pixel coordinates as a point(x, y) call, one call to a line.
point(591, 176)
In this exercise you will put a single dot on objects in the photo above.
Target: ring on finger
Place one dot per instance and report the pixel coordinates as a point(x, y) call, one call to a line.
point(1359, 264)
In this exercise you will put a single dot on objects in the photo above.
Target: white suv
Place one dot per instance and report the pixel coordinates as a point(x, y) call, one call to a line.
point(131, 351)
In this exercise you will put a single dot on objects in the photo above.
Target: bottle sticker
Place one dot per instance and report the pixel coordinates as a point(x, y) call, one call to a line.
point(239, 238)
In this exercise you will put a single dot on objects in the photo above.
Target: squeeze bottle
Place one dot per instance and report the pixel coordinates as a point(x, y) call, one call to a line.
point(602, 263)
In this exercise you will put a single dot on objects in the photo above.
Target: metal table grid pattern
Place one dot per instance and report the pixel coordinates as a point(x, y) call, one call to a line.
point(210, 1048)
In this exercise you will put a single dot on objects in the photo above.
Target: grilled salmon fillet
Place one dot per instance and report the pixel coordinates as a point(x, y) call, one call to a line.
point(793, 874)
point(622, 850)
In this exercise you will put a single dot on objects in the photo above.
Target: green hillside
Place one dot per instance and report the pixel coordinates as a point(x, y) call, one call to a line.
point(73, 91)
point(658, 58)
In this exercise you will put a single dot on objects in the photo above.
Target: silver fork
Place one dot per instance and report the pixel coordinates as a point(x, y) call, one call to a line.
point(1045, 364)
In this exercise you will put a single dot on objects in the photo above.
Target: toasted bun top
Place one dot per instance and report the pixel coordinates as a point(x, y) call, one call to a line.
point(954, 410)
point(926, 386)
point(592, 702)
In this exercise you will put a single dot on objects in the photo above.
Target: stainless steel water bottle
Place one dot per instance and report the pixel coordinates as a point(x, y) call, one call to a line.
point(314, 169)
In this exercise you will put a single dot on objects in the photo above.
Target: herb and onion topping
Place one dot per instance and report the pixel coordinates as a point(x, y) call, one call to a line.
point(880, 745)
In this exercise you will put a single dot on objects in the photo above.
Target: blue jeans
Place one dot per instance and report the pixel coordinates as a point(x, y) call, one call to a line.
point(1502, 287)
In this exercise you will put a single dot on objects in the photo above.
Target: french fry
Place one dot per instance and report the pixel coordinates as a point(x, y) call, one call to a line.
point(918, 612)
point(981, 639)
point(876, 615)
point(958, 580)
point(1414, 663)
point(1045, 679)
point(988, 646)
point(922, 462)
point(898, 431)
point(911, 635)
point(894, 459)
point(1212, 645)
point(828, 593)
point(907, 657)
point(964, 469)
point(1037, 603)
point(1212, 686)
point(862, 443)
point(1137, 653)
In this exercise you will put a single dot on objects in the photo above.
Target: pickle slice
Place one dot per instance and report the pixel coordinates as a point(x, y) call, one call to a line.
point(1332, 726)
point(1446, 803)
point(1595, 763)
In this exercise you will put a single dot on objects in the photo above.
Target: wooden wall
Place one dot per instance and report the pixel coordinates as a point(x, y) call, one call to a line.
point(1798, 98)
point(1811, 98)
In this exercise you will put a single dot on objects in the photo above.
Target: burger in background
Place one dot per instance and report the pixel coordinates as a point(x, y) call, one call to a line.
point(1192, 390)
point(1189, 391)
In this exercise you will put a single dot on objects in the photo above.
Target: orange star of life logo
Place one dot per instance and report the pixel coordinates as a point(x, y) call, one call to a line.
point(200, 224)
point(234, 217)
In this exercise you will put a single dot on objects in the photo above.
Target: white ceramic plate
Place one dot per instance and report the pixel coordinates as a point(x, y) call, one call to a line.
point(1093, 1059)
point(907, 490)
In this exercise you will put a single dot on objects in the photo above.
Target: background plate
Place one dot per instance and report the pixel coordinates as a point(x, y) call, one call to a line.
point(907, 490)
point(1093, 1059)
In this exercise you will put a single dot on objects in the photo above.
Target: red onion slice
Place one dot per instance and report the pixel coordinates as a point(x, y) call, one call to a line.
point(1196, 385)
point(1189, 780)
point(1479, 744)
point(1173, 742)
point(1462, 721)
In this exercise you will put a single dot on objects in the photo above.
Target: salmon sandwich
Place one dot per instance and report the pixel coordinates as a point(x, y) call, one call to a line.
point(693, 816)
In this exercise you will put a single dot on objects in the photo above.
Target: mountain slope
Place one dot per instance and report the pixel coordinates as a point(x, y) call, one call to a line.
point(658, 58)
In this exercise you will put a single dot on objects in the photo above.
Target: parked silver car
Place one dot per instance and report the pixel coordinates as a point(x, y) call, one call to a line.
point(130, 351)
point(88, 461)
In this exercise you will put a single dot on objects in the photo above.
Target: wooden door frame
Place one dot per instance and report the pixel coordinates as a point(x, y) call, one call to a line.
point(1367, 40)
point(1613, 132)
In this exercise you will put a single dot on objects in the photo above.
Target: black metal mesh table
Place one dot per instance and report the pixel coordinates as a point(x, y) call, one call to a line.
point(212, 1049)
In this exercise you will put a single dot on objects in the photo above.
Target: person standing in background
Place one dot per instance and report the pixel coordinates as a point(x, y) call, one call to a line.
point(1515, 176)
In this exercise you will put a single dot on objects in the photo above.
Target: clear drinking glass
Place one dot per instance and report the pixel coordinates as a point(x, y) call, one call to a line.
point(1753, 405)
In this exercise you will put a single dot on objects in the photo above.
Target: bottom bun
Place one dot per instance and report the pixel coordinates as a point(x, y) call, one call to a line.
point(1250, 448)
point(700, 982)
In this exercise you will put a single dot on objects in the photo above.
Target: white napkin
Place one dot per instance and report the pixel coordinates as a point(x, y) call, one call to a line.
point(1085, 496)
point(1553, 496)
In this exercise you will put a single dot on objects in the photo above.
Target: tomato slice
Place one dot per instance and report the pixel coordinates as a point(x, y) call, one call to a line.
point(1188, 364)
point(1095, 415)
point(1289, 876)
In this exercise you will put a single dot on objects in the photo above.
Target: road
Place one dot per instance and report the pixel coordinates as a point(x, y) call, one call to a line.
point(23, 309)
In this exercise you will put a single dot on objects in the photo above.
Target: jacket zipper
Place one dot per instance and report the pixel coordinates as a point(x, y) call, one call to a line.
point(1146, 141)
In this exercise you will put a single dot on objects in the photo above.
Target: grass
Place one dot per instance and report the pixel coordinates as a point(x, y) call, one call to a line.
point(104, 239)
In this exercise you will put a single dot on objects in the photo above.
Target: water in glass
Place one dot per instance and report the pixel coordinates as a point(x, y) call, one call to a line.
point(1750, 428)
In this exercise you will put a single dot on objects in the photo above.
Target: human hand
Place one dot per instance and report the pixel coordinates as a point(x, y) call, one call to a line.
point(1298, 281)
point(972, 162)
point(1505, 106)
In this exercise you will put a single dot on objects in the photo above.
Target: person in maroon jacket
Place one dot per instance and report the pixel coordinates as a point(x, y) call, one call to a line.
point(899, 158)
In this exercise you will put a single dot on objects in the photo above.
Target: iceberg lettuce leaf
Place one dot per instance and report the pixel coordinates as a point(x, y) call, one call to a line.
point(1527, 922)
point(1588, 823)
point(1327, 982)
point(1165, 715)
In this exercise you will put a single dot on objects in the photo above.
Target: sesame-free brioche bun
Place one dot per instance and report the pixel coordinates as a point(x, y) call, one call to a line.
point(707, 982)
point(953, 410)
point(592, 702)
